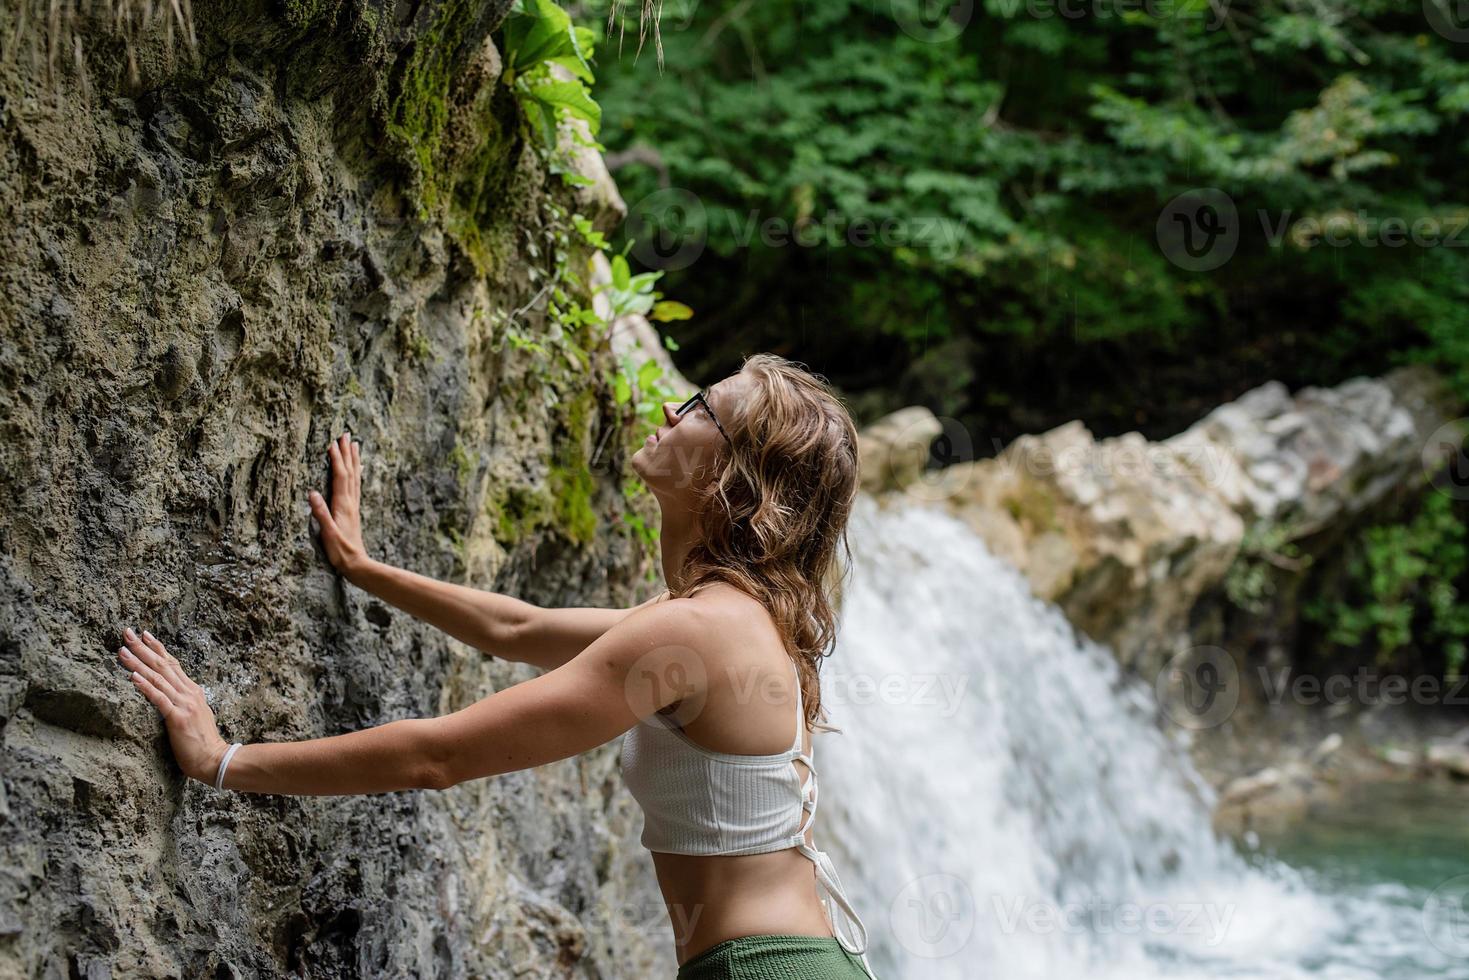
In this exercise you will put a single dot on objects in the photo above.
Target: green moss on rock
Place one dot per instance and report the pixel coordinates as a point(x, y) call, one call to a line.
point(572, 485)
point(464, 464)
point(303, 13)
point(521, 510)
point(420, 111)
point(573, 489)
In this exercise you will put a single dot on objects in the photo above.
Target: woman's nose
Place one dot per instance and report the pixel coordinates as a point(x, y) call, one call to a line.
point(669, 413)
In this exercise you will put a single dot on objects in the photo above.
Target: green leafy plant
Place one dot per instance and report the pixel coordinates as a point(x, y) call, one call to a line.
point(629, 293)
point(1403, 588)
point(538, 36)
point(1265, 552)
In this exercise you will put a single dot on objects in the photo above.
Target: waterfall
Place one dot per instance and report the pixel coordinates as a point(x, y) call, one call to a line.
point(1003, 801)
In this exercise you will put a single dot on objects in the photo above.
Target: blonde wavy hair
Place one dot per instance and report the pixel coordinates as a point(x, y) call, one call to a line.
point(772, 519)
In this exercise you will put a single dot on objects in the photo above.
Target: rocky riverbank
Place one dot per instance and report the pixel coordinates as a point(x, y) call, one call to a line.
point(1140, 544)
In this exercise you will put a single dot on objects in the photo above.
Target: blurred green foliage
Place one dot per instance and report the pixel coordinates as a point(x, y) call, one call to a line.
point(1401, 595)
point(975, 206)
point(965, 212)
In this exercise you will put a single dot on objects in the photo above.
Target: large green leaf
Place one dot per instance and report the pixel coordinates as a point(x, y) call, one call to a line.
point(537, 31)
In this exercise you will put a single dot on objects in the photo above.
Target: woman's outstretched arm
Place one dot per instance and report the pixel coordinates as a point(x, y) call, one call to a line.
point(500, 625)
point(497, 624)
point(394, 756)
point(645, 663)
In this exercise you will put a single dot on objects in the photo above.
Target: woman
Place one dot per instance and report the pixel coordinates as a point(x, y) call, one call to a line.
point(714, 681)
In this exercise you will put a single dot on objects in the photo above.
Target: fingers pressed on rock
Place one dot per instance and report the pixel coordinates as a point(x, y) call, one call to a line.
point(172, 669)
point(159, 662)
point(144, 665)
point(141, 662)
point(151, 691)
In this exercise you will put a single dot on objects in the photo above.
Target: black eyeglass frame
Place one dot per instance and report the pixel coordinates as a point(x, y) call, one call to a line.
point(698, 396)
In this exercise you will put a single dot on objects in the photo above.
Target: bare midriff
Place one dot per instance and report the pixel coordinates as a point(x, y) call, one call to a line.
point(718, 897)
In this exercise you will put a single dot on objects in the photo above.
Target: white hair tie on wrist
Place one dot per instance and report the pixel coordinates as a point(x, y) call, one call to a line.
point(219, 777)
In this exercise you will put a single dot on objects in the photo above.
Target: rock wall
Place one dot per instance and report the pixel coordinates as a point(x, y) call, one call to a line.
point(218, 256)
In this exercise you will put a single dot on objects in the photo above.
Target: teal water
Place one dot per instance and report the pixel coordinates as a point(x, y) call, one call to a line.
point(1397, 856)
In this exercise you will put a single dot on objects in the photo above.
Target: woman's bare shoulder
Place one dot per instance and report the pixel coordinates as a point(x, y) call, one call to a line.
point(739, 627)
point(721, 598)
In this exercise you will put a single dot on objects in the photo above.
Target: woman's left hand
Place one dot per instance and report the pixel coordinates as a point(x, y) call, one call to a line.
point(190, 721)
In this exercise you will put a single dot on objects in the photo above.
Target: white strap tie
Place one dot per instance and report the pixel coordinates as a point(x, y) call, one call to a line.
point(826, 875)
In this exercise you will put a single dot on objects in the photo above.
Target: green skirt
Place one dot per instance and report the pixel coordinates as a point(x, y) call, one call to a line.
point(775, 957)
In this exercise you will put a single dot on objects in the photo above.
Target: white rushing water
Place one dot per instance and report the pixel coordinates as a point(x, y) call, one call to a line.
point(1002, 801)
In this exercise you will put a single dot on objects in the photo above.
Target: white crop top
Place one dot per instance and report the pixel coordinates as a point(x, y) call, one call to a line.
point(699, 801)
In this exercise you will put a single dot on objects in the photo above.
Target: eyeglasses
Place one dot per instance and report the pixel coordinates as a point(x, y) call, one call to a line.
point(698, 397)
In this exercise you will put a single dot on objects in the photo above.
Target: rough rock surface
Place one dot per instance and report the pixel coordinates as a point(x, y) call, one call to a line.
point(324, 217)
point(1126, 535)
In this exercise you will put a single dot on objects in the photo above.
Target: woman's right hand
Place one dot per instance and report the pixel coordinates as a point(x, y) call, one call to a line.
point(341, 524)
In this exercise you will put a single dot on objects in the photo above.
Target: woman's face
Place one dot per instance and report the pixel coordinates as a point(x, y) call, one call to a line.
point(680, 457)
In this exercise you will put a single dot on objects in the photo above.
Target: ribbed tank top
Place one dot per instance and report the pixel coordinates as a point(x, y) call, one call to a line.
point(699, 801)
